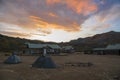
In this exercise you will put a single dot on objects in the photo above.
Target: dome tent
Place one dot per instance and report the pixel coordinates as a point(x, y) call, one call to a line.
point(44, 62)
point(13, 59)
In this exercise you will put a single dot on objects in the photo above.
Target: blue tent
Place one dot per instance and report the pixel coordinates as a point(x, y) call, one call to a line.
point(13, 59)
point(44, 62)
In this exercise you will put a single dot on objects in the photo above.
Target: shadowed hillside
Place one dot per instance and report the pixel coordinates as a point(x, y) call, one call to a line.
point(8, 44)
point(99, 40)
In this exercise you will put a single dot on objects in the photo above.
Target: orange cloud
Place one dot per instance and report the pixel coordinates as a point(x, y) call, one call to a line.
point(52, 14)
point(73, 27)
point(53, 1)
point(79, 6)
point(14, 34)
point(34, 17)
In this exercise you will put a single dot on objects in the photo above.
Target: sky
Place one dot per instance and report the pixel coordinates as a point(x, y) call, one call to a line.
point(58, 20)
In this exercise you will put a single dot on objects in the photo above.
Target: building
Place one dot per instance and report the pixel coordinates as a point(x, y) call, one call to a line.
point(113, 49)
point(68, 49)
point(53, 48)
point(99, 51)
point(110, 49)
point(32, 48)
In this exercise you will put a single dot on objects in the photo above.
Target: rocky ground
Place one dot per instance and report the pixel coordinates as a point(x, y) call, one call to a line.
point(71, 67)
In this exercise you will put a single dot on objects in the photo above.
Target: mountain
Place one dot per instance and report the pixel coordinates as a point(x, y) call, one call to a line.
point(98, 40)
point(9, 44)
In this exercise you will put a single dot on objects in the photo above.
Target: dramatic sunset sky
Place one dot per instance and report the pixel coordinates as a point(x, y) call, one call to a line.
point(58, 20)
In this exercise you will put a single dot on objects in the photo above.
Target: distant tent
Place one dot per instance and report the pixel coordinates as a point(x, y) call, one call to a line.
point(13, 59)
point(44, 62)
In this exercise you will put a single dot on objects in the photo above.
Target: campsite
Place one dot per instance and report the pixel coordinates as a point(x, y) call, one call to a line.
point(31, 60)
point(59, 39)
point(105, 67)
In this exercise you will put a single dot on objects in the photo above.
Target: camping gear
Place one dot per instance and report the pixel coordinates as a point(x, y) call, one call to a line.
point(44, 61)
point(13, 59)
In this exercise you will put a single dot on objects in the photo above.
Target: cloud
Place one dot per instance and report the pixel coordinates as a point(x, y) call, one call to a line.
point(54, 17)
point(108, 15)
point(103, 21)
point(15, 34)
point(52, 14)
point(16, 31)
point(79, 6)
point(47, 25)
point(42, 17)
point(107, 18)
point(45, 31)
point(53, 1)
point(100, 27)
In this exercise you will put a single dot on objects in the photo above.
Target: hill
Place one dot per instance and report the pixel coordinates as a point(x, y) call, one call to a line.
point(8, 44)
point(98, 40)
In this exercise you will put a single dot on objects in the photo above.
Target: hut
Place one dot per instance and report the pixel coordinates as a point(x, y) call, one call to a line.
point(33, 48)
point(68, 49)
point(113, 49)
point(99, 51)
point(53, 49)
point(13, 59)
point(38, 48)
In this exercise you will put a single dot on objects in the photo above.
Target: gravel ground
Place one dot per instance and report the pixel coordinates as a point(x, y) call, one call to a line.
point(105, 67)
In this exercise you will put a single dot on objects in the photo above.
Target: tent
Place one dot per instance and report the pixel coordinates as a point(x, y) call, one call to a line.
point(13, 59)
point(44, 62)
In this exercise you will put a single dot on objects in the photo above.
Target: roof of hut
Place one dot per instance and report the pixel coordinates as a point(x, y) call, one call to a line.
point(99, 49)
point(67, 47)
point(54, 46)
point(115, 46)
point(109, 47)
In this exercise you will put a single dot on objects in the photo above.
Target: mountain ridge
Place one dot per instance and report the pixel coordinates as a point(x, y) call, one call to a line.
point(99, 40)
